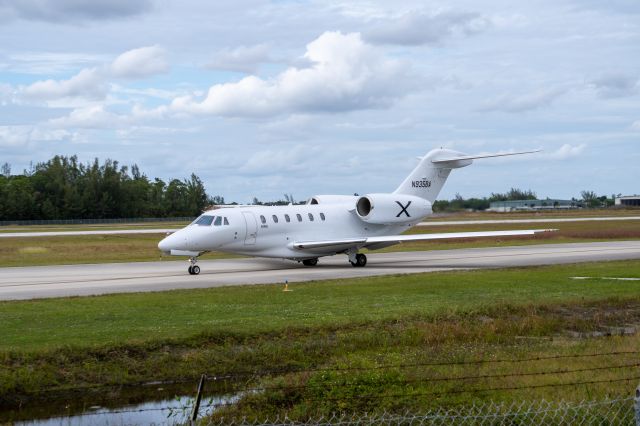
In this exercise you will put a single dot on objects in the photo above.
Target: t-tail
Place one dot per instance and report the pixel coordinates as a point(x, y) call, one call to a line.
point(429, 176)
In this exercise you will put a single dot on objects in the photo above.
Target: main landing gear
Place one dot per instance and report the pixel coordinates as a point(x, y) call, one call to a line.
point(193, 268)
point(357, 259)
point(310, 262)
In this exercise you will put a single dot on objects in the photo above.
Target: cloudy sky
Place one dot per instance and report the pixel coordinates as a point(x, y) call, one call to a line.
point(309, 97)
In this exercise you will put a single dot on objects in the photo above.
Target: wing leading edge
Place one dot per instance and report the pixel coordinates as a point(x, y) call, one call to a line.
point(388, 240)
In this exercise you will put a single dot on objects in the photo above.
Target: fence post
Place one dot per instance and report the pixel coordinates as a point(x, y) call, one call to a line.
point(637, 405)
point(196, 403)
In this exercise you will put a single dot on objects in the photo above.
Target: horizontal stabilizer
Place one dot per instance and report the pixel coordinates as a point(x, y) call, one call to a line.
point(475, 157)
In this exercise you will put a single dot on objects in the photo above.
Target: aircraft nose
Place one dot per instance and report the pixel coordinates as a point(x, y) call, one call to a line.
point(165, 245)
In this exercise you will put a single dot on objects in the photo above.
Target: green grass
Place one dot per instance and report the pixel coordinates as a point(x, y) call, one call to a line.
point(120, 318)
point(86, 249)
point(71, 343)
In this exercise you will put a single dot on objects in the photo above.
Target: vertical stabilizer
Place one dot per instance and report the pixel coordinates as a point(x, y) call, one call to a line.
point(429, 176)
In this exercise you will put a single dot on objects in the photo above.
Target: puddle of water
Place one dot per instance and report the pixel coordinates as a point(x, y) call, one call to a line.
point(163, 412)
point(143, 405)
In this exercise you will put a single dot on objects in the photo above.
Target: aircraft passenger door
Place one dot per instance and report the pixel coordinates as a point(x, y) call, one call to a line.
point(251, 227)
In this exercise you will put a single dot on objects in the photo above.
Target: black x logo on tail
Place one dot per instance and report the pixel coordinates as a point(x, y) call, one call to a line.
point(404, 209)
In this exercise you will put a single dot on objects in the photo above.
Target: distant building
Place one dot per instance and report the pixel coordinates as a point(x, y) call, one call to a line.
point(548, 204)
point(630, 200)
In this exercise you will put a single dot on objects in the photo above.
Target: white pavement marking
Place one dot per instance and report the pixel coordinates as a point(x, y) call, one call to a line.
point(512, 221)
point(83, 280)
point(605, 278)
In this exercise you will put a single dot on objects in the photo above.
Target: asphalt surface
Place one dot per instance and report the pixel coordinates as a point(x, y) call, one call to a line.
point(83, 280)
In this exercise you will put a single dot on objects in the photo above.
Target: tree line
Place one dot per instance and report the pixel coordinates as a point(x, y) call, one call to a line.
point(460, 203)
point(63, 188)
point(587, 199)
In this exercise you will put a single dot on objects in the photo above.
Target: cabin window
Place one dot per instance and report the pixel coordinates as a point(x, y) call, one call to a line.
point(310, 217)
point(204, 220)
point(287, 218)
point(226, 222)
point(262, 219)
point(299, 217)
point(218, 221)
point(322, 216)
point(275, 218)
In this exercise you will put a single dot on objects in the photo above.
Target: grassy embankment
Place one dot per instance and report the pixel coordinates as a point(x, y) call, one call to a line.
point(364, 323)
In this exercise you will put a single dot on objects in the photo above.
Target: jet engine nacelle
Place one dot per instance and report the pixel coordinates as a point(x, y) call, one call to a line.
point(387, 209)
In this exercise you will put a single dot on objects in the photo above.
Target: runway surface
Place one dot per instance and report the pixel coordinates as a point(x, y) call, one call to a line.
point(82, 280)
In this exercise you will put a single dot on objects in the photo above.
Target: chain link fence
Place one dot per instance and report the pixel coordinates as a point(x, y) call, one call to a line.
point(620, 411)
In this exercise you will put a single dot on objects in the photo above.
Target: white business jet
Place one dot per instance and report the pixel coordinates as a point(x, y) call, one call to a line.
point(328, 224)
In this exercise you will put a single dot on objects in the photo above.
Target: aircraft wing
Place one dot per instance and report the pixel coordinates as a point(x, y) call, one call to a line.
point(388, 240)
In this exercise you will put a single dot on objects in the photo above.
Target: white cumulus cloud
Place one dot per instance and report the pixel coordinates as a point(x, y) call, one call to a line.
point(91, 83)
point(140, 62)
point(12, 136)
point(88, 83)
point(91, 117)
point(18, 136)
point(344, 73)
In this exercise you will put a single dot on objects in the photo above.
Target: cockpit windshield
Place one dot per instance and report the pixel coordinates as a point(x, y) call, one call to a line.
point(204, 220)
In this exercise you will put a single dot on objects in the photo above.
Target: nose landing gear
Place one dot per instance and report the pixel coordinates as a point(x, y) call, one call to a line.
point(193, 268)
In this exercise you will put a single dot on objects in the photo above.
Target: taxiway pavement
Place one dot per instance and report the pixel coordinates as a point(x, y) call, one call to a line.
point(83, 280)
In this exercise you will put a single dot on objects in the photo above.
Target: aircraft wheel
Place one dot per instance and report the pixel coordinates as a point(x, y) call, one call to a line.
point(310, 262)
point(361, 260)
point(195, 270)
point(190, 270)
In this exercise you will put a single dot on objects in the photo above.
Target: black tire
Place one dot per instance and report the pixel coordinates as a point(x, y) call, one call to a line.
point(190, 270)
point(361, 260)
point(310, 262)
point(195, 270)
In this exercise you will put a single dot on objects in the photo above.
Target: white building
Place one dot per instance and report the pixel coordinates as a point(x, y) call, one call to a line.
point(629, 200)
